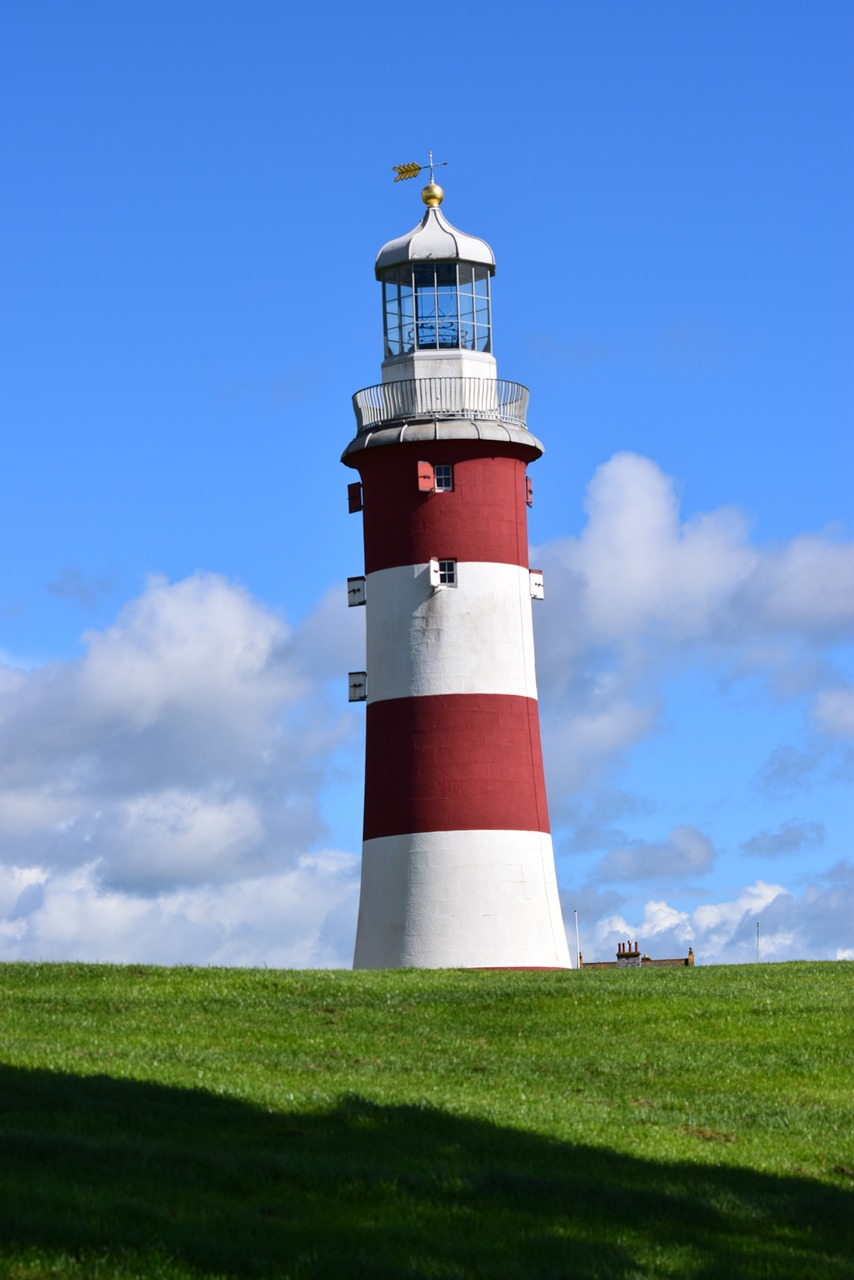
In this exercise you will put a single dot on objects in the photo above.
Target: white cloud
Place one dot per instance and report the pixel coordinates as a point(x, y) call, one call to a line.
point(806, 586)
point(177, 645)
point(718, 922)
point(596, 728)
point(302, 917)
point(636, 568)
point(159, 797)
point(188, 745)
point(642, 592)
point(643, 567)
point(14, 881)
point(815, 925)
point(209, 837)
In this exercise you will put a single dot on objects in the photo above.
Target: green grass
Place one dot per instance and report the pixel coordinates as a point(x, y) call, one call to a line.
point(614, 1124)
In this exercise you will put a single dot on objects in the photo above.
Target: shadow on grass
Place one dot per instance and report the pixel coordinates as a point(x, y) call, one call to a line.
point(110, 1177)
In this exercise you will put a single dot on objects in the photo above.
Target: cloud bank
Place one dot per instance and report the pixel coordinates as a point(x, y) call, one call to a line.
point(159, 797)
point(641, 592)
point(812, 924)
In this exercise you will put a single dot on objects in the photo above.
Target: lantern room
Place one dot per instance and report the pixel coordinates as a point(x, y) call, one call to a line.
point(436, 297)
point(428, 306)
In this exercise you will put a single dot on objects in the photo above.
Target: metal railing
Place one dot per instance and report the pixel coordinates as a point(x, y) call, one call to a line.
point(415, 399)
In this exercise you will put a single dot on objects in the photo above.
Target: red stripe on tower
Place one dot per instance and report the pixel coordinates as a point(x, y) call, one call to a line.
point(457, 861)
point(483, 517)
point(454, 762)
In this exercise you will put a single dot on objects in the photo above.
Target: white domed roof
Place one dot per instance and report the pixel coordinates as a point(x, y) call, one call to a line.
point(434, 240)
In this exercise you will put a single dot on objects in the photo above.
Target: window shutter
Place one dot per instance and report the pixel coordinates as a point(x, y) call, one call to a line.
point(529, 491)
point(355, 591)
point(426, 481)
point(434, 572)
point(354, 497)
point(358, 686)
point(537, 585)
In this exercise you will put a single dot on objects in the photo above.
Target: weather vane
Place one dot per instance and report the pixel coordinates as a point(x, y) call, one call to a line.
point(404, 171)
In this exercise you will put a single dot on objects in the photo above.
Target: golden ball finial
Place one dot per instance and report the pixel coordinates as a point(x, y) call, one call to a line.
point(432, 195)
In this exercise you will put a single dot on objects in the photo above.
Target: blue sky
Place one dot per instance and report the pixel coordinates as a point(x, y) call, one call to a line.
point(194, 197)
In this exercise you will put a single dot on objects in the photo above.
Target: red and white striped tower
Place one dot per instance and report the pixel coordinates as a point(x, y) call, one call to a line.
point(457, 862)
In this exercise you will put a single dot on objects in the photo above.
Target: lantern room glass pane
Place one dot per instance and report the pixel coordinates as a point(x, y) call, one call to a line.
point(391, 311)
point(425, 306)
point(467, 321)
point(448, 325)
point(407, 317)
point(425, 281)
point(446, 300)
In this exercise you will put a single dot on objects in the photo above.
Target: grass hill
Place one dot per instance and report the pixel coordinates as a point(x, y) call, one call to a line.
point(611, 1125)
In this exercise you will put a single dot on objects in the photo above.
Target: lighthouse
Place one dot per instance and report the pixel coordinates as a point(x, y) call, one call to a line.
point(457, 859)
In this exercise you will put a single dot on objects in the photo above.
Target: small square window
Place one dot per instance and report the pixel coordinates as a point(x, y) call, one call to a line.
point(447, 573)
point(444, 476)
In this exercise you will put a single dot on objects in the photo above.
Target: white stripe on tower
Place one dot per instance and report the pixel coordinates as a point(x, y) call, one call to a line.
point(460, 899)
point(476, 637)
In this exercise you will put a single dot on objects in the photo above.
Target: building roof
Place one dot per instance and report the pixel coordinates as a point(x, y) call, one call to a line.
point(434, 240)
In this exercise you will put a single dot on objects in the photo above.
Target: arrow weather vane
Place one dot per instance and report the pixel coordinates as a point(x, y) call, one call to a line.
point(404, 171)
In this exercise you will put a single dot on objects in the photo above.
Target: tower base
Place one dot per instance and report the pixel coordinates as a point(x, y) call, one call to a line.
point(460, 899)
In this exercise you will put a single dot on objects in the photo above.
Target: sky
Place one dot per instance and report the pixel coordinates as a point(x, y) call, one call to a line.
point(194, 195)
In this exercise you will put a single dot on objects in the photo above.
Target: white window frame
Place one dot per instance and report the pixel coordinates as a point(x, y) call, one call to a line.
point(437, 572)
point(447, 573)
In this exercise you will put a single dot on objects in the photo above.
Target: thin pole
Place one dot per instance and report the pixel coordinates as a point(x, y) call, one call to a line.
point(577, 949)
point(757, 942)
